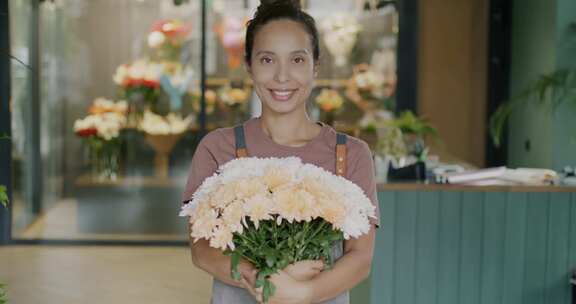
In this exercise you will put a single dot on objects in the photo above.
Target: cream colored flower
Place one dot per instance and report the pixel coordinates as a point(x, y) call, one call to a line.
point(232, 216)
point(222, 238)
point(203, 227)
point(121, 74)
point(223, 196)
point(333, 211)
point(172, 123)
point(259, 208)
point(275, 178)
point(249, 187)
point(295, 204)
point(156, 39)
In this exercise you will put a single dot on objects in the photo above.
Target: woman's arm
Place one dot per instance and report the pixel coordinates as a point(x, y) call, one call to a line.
point(351, 269)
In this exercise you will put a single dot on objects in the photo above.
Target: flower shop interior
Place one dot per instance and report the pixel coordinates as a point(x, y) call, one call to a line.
point(468, 107)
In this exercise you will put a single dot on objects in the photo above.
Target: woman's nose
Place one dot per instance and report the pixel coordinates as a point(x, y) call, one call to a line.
point(281, 74)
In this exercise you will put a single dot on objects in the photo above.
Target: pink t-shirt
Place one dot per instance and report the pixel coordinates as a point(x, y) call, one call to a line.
point(218, 147)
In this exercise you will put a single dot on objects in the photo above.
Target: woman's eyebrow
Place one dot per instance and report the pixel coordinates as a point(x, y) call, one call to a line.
point(264, 52)
point(304, 51)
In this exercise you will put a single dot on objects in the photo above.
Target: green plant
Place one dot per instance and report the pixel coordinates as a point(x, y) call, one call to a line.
point(549, 90)
point(3, 296)
point(408, 123)
point(3, 192)
point(4, 202)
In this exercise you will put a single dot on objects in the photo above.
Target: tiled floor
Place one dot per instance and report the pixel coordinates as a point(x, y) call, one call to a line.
point(95, 274)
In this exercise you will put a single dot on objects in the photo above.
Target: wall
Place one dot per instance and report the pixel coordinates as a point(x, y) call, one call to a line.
point(539, 137)
point(452, 73)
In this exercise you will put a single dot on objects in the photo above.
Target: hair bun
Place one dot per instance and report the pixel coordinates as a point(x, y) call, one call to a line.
point(293, 3)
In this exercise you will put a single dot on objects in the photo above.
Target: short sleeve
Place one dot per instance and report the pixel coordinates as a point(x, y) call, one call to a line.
point(203, 165)
point(362, 172)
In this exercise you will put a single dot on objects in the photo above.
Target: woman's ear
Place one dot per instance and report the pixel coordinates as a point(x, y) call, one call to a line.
point(316, 68)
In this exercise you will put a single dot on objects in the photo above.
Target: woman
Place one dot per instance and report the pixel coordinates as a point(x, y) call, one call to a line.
point(281, 57)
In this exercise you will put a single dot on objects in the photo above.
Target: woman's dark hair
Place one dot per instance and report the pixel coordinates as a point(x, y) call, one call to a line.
point(271, 10)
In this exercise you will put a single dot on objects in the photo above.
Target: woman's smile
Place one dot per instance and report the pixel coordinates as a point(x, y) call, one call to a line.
point(282, 95)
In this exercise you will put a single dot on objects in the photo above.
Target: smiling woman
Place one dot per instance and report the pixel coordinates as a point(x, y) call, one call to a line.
point(281, 58)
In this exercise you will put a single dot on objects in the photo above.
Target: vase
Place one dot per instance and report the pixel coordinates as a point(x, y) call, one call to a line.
point(104, 159)
point(162, 145)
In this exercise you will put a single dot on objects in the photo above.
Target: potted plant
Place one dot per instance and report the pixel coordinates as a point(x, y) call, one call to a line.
point(401, 138)
point(549, 90)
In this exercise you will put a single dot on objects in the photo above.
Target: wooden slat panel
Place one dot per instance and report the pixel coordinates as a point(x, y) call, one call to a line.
point(493, 248)
point(453, 247)
point(471, 247)
point(557, 269)
point(515, 235)
point(537, 211)
point(572, 240)
point(427, 248)
point(381, 288)
point(405, 245)
point(449, 247)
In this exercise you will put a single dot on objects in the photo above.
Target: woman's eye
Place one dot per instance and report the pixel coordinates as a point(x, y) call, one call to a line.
point(298, 60)
point(265, 60)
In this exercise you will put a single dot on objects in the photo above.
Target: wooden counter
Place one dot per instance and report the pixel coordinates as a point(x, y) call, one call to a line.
point(454, 244)
point(414, 186)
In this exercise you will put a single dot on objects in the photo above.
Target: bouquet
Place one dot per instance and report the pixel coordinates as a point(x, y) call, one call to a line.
point(139, 82)
point(172, 123)
point(276, 211)
point(340, 35)
point(329, 100)
point(167, 38)
point(232, 32)
point(101, 132)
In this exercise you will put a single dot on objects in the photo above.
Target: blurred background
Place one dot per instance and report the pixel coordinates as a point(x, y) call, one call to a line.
point(102, 104)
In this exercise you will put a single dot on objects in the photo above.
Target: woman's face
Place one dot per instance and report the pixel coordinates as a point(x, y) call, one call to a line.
point(282, 66)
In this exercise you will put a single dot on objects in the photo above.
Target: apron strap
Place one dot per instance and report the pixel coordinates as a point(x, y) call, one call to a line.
point(241, 150)
point(341, 154)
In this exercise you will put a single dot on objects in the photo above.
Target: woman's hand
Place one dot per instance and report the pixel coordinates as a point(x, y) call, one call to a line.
point(247, 271)
point(288, 290)
point(305, 270)
point(289, 282)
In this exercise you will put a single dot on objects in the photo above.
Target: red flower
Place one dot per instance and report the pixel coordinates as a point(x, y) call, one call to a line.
point(87, 132)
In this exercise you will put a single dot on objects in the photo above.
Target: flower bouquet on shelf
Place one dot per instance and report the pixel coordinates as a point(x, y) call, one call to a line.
point(330, 102)
point(231, 31)
point(162, 133)
point(340, 34)
point(100, 130)
point(276, 211)
point(166, 38)
point(402, 143)
point(367, 90)
point(139, 83)
point(235, 101)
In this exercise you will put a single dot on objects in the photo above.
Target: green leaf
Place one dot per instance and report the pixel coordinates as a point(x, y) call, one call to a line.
point(234, 261)
point(3, 296)
point(3, 196)
point(549, 90)
point(268, 291)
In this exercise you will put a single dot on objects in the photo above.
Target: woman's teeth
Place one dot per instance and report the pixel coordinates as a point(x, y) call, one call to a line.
point(282, 95)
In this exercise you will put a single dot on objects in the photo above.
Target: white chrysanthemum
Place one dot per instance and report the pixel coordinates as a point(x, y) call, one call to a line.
point(310, 192)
